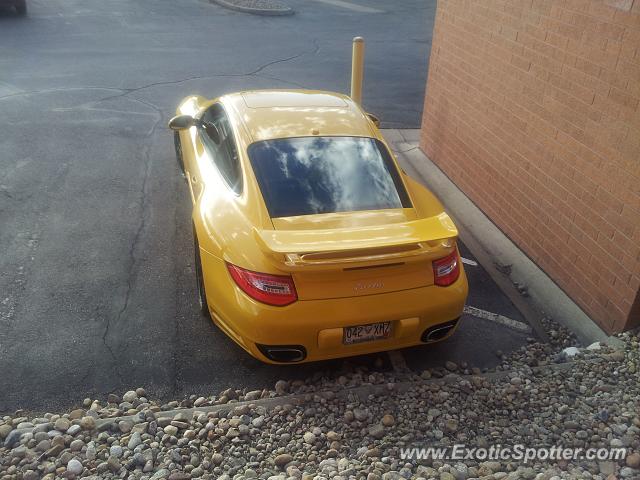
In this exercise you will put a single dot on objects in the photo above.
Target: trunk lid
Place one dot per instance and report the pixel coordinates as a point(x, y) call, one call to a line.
point(357, 253)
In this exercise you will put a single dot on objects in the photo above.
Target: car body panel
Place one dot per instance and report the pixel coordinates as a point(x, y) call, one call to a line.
point(345, 219)
point(306, 322)
point(352, 261)
point(292, 113)
point(332, 292)
point(378, 235)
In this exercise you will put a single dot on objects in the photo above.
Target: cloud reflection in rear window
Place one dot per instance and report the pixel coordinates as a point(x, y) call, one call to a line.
point(310, 175)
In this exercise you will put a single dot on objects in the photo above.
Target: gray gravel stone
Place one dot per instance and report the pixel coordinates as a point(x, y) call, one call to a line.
point(74, 467)
point(633, 461)
point(12, 438)
point(130, 396)
point(5, 430)
point(88, 423)
point(62, 424)
point(160, 474)
point(283, 459)
point(116, 451)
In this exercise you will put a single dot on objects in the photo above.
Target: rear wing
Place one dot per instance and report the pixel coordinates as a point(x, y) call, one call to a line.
point(317, 249)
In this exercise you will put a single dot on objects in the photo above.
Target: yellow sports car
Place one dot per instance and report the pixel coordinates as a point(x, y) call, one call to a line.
point(311, 243)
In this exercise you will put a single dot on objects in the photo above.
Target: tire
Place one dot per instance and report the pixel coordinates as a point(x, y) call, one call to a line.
point(202, 294)
point(21, 7)
point(178, 146)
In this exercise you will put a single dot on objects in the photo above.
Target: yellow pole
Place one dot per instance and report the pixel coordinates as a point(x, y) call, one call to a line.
point(357, 69)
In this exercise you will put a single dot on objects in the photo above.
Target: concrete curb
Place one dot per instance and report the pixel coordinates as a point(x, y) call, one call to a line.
point(479, 232)
point(361, 392)
point(273, 12)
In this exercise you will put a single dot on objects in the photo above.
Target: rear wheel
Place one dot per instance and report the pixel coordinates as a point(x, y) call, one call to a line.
point(178, 147)
point(202, 295)
point(21, 7)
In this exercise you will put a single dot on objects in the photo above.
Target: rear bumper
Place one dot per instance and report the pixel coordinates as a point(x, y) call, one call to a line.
point(317, 325)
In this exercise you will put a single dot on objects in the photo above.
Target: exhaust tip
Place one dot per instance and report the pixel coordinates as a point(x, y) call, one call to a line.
point(283, 353)
point(438, 332)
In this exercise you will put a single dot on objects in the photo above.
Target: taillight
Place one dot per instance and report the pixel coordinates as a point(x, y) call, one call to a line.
point(446, 270)
point(278, 290)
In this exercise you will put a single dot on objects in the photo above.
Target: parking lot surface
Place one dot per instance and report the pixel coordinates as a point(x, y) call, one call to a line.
point(97, 288)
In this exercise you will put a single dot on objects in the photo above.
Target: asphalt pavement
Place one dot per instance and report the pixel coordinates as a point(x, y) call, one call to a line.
point(97, 288)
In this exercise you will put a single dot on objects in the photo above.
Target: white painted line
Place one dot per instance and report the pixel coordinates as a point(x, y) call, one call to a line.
point(397, 361)
point(350, 6)
point(466, 261)
point(497, 318)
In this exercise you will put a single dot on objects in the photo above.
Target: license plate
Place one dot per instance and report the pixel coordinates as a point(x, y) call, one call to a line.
point(366, 333)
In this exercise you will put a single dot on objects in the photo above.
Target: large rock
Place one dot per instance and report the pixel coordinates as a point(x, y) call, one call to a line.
point(388, 420)
point(88, 423)
point(62, 424)
point(160, 474)
point(74, 467)
point(376, 431)
point(282, 460)
point(130, 396)
point(12, 438)
point(253, 395)
point(633, 460)
point(5, 430)
point(282, 387)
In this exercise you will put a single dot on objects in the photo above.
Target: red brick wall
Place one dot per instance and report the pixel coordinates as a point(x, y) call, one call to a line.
point(532, 110)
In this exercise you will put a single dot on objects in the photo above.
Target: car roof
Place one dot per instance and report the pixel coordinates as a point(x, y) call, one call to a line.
point(272, 114)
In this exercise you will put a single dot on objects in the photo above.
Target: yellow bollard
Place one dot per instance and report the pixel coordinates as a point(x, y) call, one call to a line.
point(357, 69)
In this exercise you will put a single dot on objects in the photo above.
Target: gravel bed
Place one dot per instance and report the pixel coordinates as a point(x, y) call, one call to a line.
point(593, 403)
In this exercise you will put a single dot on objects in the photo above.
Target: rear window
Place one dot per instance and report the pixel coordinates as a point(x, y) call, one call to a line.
point(303, 176)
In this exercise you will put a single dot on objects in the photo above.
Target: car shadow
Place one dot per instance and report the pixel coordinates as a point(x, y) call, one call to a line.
point(476, 343)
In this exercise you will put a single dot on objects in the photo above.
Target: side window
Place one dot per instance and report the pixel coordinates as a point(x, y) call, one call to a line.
point(222, 149)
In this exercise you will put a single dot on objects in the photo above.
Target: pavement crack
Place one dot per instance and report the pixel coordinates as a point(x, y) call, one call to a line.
point(253, 73)
point(314, 51)
point(288, 82)
point(123, 92)
point(134, 244)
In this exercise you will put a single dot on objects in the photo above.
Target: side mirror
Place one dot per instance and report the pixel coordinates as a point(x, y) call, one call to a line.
point(182, 122)
point(374, 119)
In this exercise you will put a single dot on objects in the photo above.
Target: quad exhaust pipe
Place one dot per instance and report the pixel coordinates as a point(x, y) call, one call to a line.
point(297, 353)
point(283, 353)
point(438, 332)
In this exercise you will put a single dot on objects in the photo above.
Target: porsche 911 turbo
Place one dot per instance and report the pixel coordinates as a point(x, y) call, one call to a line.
point(311, 242)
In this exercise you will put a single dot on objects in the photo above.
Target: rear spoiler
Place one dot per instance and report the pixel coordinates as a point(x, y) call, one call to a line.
point(408, 241)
